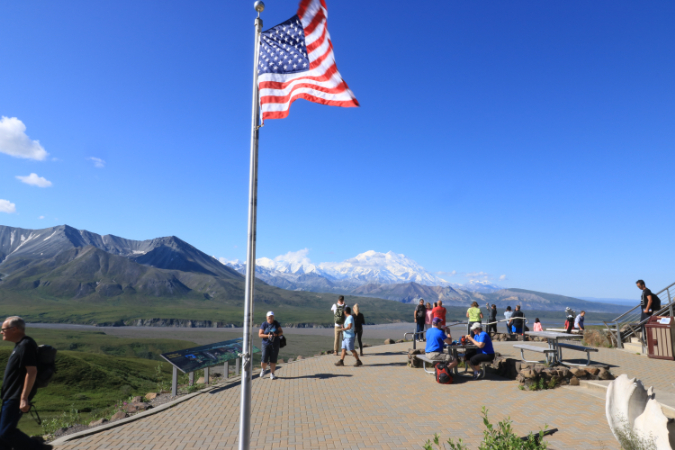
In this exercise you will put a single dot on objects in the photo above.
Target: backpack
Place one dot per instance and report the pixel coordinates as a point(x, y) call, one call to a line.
point(339, 314)
point(443, 373)
point(282, 341)
point(656, 303)
point(46, 365)
point(421, 313)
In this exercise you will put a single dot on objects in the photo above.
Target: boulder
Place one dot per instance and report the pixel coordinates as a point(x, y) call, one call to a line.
point(400, 341)
point(118, 415)
point(151, 396)
point(388, 341)
point(98, 422)
point(528, 374)
point(593, 370)
point(137, 399)
point(578, 372)
point(290, 359)
point(299, 358)
point(605, 374)
point(574, 381)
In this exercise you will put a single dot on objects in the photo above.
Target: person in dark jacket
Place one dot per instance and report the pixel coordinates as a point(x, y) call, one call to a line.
point(492, 317)
point(18, 386)
point(359, 322)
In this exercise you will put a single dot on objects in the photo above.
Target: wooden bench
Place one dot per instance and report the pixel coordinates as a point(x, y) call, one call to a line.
point(546, 351)
point(580, 348)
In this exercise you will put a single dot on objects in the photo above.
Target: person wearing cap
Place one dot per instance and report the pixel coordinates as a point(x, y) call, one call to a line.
point(485, 352)
point(436, 337)
point(270, 330)
point(347, 328)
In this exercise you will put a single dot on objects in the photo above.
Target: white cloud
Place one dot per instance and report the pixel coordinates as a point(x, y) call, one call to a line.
point(41, 217)
point(502, 277)
point(447, 274)
point(98, 162)
point(7, 207)
point(34, 180)
point(15, 142)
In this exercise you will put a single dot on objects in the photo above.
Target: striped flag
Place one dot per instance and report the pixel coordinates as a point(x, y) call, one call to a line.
point(296, 61)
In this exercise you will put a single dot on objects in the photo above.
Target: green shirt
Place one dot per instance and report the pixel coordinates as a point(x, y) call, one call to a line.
point(474, 314)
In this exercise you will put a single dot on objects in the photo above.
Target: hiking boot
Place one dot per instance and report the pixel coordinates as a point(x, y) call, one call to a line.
point(340, 363)
point(361, 352)
point(358, 363)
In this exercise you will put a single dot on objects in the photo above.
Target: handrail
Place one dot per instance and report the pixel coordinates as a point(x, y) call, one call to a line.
point(625, 314)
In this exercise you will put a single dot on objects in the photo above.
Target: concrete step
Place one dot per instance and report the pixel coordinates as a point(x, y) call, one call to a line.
point(632, 348)
point(635, 340)
point(598, 389)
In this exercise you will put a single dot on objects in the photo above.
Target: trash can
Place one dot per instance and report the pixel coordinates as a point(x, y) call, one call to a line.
point(660, 338)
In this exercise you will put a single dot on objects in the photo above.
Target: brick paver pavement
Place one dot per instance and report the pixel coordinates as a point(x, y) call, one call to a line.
point(382, 405)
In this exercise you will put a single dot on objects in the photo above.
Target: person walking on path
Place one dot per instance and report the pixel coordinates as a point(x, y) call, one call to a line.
point(485, 352)
point(429, 316)
point(420, 316)
point(436, 337)
point(474, 316)
point(579, 322)
point(507, 315)
point(270, 331)
point(517, 321)
point(348, 341)
point(339, 319)
point(18, 386)
point(359, 322)
point(439, 312)
point(492, 319)
point(649, 303)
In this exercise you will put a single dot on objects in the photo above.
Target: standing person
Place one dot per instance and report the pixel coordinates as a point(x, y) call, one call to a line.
point(18, 386)
point(485, 352)
point(439, 312)
point(569, 322)
point(420, 316)
point(348, 340)
point(436, 337)
point(492, 319)
point(270, 330)
point(537, 325)
point(359, 322)
point(474, 316)
point(339, 318)
point(517, 321)
point(507, 315)
point(428, 318)
point(649, 302)
point(579, 322)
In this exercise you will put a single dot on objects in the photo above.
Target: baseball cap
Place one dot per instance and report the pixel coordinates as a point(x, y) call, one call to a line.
point(270, 313)
point(436, 320)
point(475, 326)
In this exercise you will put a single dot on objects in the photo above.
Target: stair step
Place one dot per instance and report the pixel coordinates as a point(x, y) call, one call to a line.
point(633, 348)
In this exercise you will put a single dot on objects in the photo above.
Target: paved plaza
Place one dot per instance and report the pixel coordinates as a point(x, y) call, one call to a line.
point(382, 405)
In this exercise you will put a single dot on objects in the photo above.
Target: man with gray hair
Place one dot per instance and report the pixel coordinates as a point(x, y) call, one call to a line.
point(18, 386)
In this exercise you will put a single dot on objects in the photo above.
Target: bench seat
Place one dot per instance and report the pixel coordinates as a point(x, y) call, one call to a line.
point(546, 351)
point(426, 361)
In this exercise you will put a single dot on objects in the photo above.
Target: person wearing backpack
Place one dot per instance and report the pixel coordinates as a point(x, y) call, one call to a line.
point(18, 386)
point(649, 303)
point(420, 316)
point(339, 319)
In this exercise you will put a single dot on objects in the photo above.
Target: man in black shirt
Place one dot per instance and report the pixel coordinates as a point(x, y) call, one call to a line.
point(17, 386)
point(516, 322)
point(420, 316)
point(647, 302)
point(492, 317)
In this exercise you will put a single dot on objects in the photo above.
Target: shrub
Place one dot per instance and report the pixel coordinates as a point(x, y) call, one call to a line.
point(596, 338)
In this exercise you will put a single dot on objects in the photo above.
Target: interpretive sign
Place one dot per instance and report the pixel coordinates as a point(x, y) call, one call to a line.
point(196, 358)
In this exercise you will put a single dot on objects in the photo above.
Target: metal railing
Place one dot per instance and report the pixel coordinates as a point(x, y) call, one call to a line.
point(631, 322)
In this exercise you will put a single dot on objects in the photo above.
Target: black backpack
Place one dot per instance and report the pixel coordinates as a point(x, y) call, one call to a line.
point(656, 303)
point(46, 365)
point(443, 373)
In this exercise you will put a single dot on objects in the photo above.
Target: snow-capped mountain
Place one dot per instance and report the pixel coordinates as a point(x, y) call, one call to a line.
point(295, 270)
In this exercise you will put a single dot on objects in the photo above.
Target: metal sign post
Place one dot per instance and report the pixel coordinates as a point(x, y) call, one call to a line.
point(246, 376)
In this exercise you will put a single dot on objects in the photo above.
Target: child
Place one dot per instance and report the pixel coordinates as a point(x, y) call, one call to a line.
point(537, 325)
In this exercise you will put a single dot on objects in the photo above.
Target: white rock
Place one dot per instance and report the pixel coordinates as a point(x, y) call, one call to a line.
point(652, 425)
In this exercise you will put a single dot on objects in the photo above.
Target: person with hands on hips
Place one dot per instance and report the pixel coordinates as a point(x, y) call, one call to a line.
point(485, 352)
point(270, 330)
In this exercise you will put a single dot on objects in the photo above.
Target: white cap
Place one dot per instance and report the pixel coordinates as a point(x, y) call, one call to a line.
point(270, 313)
point(475, 326)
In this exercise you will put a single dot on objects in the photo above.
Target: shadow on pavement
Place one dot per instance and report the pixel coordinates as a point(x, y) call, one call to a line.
point(320, 376)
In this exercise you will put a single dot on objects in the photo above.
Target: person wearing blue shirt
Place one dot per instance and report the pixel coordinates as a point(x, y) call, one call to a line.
point(435, 339)
point(485, 352)
point(347, 329)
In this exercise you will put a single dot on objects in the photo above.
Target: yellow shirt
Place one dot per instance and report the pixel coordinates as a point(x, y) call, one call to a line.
point(474, 314)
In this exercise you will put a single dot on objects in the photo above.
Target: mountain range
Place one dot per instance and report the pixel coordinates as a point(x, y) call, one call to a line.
point(65, 274)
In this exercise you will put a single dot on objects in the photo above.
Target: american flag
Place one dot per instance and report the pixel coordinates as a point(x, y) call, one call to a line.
point(296, 61)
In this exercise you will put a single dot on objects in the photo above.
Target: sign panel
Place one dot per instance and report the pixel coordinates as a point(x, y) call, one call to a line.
point(193, 359)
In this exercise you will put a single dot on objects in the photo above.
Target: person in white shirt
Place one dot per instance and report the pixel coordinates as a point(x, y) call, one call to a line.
point(579, 322)
point(339, 319)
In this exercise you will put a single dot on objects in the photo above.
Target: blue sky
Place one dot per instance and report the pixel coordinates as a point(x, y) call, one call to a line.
point(529, 139)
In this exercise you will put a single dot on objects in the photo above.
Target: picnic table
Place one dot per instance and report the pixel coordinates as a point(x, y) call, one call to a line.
point(454, 351)
point(553, 338)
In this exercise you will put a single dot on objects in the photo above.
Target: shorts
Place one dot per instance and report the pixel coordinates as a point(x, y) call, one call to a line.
point(348, 344)
point(481, 358)
point(270, 352)
point(439, 356)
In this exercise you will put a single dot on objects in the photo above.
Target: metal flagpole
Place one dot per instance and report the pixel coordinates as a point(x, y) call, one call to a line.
point(246, 376)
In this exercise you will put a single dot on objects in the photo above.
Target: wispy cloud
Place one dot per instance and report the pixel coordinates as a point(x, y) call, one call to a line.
point(98, 162)
point(7, 207)
point(502, 277)
point(15, 142)
point(34, 180)
point(41, 217)
point(447, 274)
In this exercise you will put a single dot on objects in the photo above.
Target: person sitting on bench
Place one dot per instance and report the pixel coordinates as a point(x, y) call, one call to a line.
point(435, 339)
point(485, 352)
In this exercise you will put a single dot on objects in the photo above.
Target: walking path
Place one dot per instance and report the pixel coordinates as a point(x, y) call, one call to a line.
point(382, 405)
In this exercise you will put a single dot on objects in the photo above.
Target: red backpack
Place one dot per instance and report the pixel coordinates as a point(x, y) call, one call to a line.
point(443, 373)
